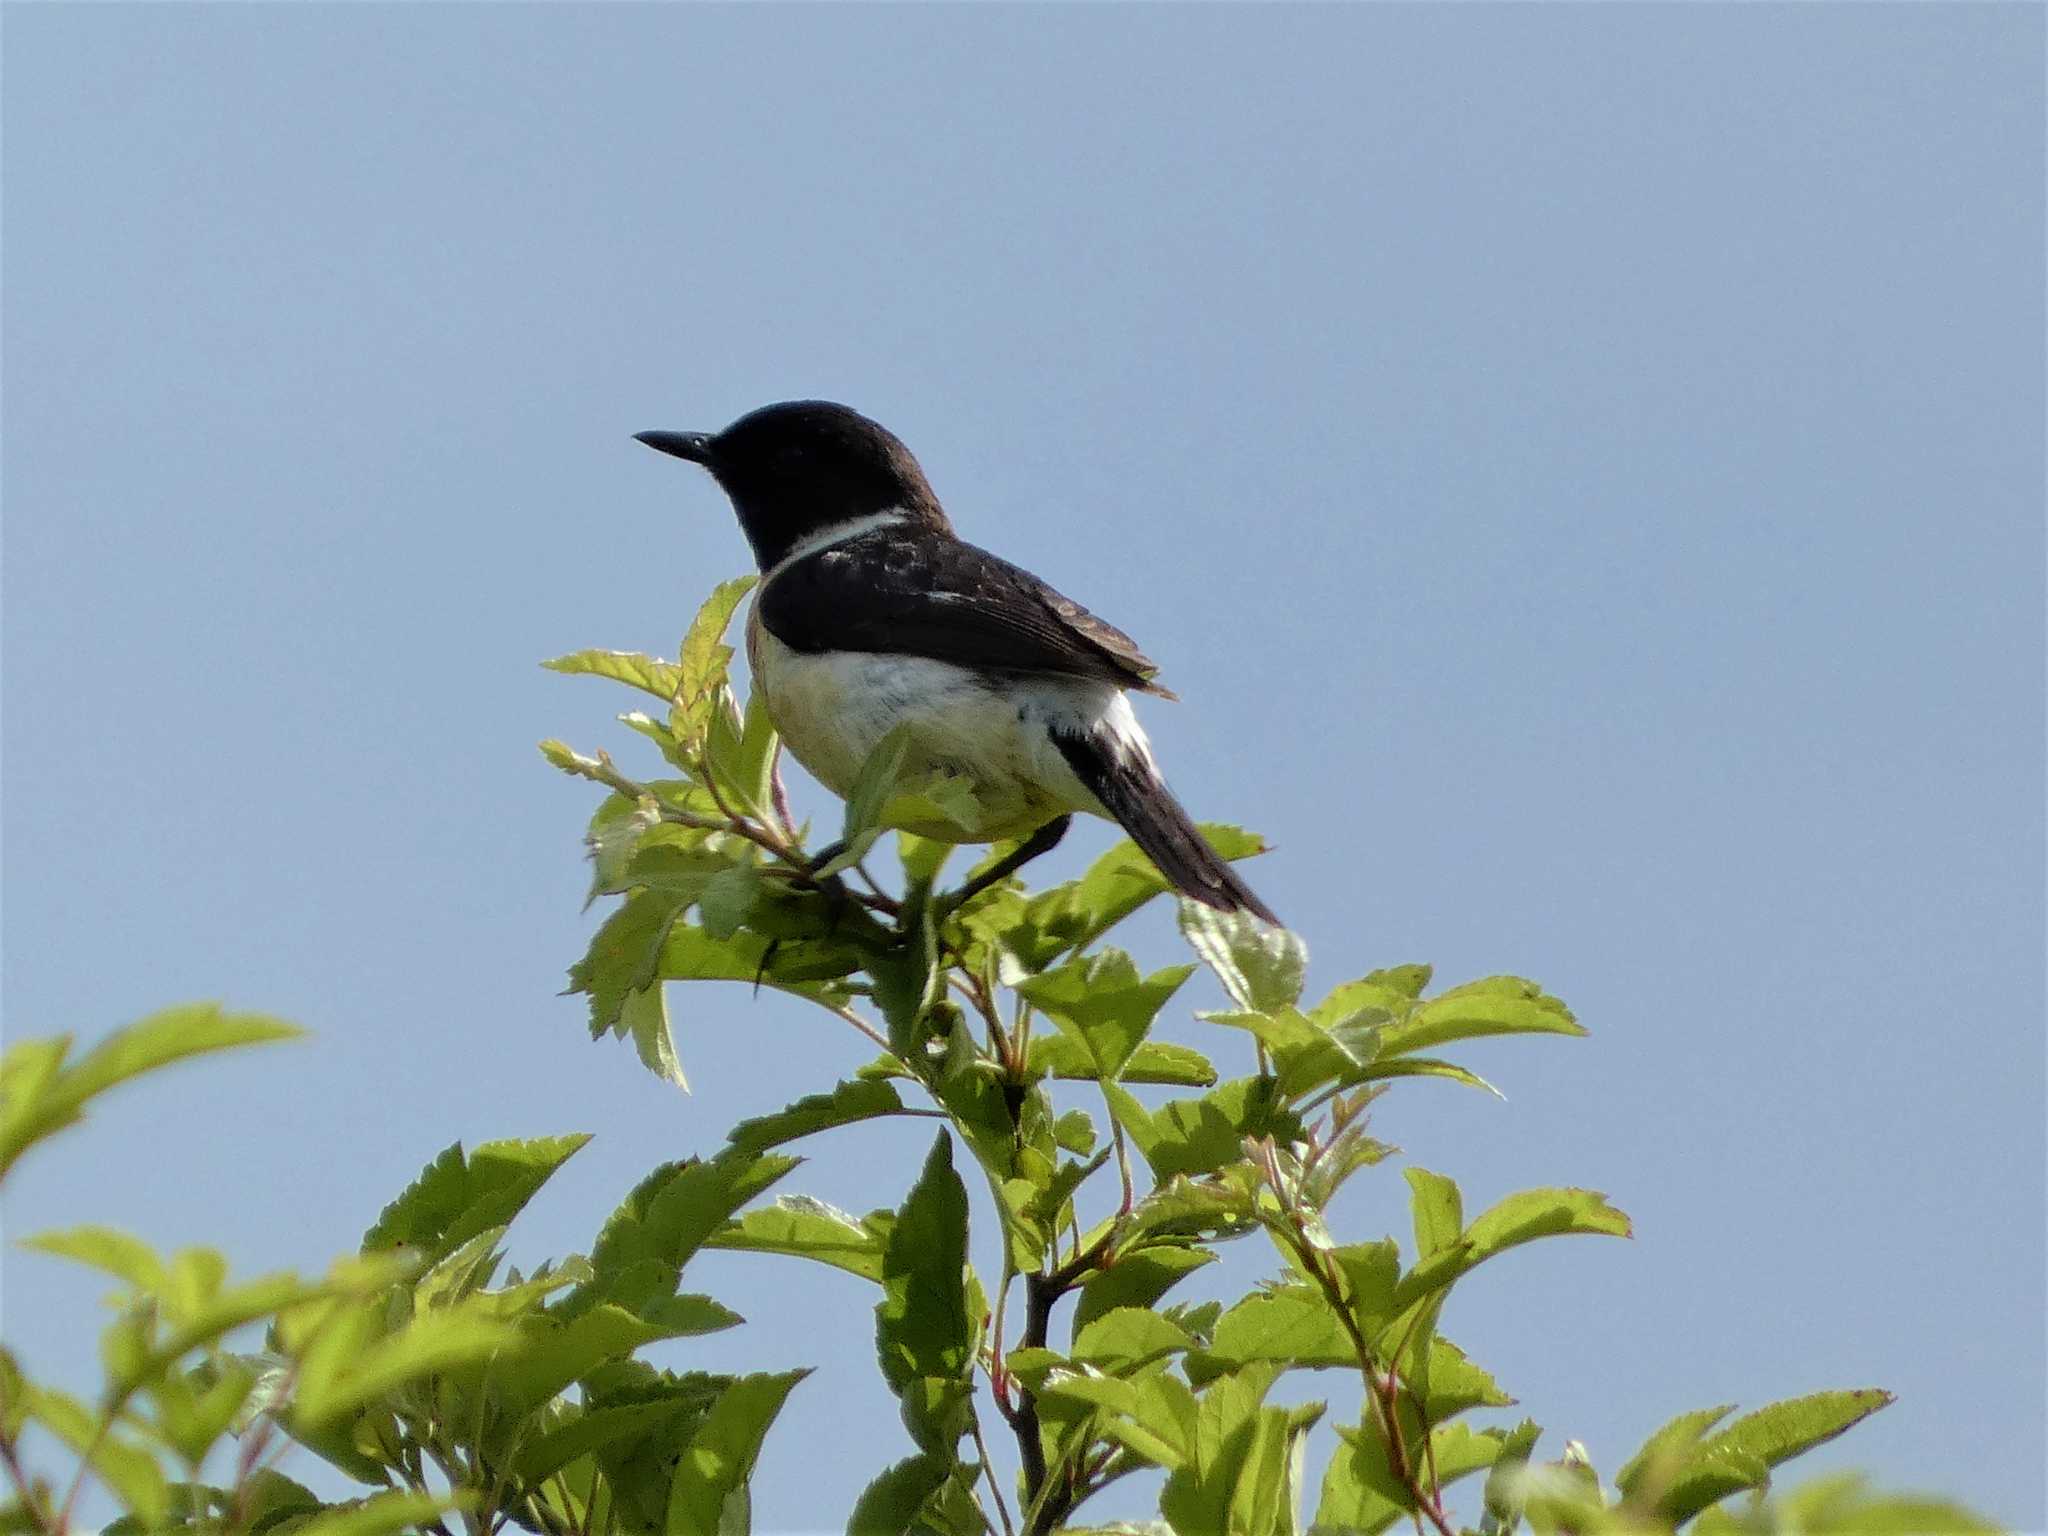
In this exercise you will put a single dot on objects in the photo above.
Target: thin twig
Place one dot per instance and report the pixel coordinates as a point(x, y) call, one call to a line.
point(988, 1470)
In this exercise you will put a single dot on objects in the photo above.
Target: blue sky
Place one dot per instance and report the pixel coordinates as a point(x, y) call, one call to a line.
point(1580, 466)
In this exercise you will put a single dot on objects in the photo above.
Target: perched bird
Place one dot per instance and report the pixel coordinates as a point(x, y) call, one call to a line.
point(872, 612)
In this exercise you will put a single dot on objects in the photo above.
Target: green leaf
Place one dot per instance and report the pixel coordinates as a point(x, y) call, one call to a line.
point(848, 1104)
point(1074, 1132)
point(194, 1409)
point(1387, 994)
point(643, 1017)
point(627, 952)
point(1122, 1340)
point(889, 1506)
point(1292, 1326)
point(1439, 1213)
point(129, 1471)
point(343, 1372)
point(1843, 1506)
point(1499, 1005)
point(382, 1514)
point(553, 1352)
point(1136, 1278)
point(1199, 1135)
point(728, 900)
point(1740, 1456)
point(704, 655)
point(805, 1228)
point(591, 1429)
point(632, 668)
point(39, 1095)
point(1360, 1491)
point(459, 1195)
point(1075, 915)
point(1103, 1003)
point(102, 1248)
point(810, 968)
point(669, 1215)
point(1232, 1470)
point(1426, 1066)
point(1261, 966)
point(921, 1323)
point(880, 774)
point(709, 1496)
point(1664, 1455)
point(1154, 1061)
point(1516, 1219)
point(742, 762)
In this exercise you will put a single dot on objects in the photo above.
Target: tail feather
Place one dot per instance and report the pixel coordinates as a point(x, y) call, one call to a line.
point(1131, 790)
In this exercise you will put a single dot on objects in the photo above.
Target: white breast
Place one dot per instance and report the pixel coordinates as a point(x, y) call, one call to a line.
point(832, 710)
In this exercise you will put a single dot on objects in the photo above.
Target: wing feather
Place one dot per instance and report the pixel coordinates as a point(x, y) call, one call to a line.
point(905, 592)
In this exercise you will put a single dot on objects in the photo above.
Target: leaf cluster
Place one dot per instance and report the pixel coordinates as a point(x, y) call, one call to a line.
point(449, 1386)
point(1009, 1017)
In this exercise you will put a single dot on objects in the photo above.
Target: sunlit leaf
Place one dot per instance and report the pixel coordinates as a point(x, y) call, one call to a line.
point(459, 1195)
point(847, 1104)
point(1260, 966)
point(632, 668)
point(804, 1228)
point(1102, 1001)
point(40, 1095)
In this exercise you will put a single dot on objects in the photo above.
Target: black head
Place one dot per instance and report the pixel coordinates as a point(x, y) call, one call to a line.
point(802, 466)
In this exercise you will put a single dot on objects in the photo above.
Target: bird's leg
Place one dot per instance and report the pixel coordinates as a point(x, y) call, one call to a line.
point(1044, 840)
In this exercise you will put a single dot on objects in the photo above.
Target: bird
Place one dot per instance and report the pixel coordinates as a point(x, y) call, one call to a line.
point(872, 614)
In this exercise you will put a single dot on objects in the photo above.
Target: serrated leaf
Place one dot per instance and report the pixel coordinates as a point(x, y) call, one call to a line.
point(1664, 1455)
point(889, 1506)
point(1101, 1001)
point(382, 1514)
point(669, 1215)
point(1198, 1135)
point(1136, 1278)
point(1516, 1219)
point(1293, 1326)
point(1260, 966)
point(810, 968)
point(1154, 1061)
point(848, 1104)
point(335, 1382)
point(711, 1479)
point(921, 1323)
point(591, 1429)
point(1118, 1341)
point(627, 952)
point(1741, 1456)
point(702, 662)
point(554, 1352)
point(643, 1017)
point(459, 1195)
point(1074, 915)
point(39, 1095)
point(804, 1228)
point(633, 668)
point(1499, 1005)
point(1438, 1211)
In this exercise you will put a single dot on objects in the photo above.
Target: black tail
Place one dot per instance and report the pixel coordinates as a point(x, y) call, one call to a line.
point(1135, 795)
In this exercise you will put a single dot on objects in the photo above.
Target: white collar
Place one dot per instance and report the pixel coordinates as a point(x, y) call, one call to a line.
point(835, 533)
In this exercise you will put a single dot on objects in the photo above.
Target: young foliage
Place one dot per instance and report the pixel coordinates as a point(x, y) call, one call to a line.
point(448, 1387)
point(456, 1392)
point(1011, 1019)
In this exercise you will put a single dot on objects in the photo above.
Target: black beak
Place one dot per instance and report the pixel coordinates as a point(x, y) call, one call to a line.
point(694, 446)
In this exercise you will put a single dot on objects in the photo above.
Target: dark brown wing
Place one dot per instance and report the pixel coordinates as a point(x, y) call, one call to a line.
point(909, 592)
